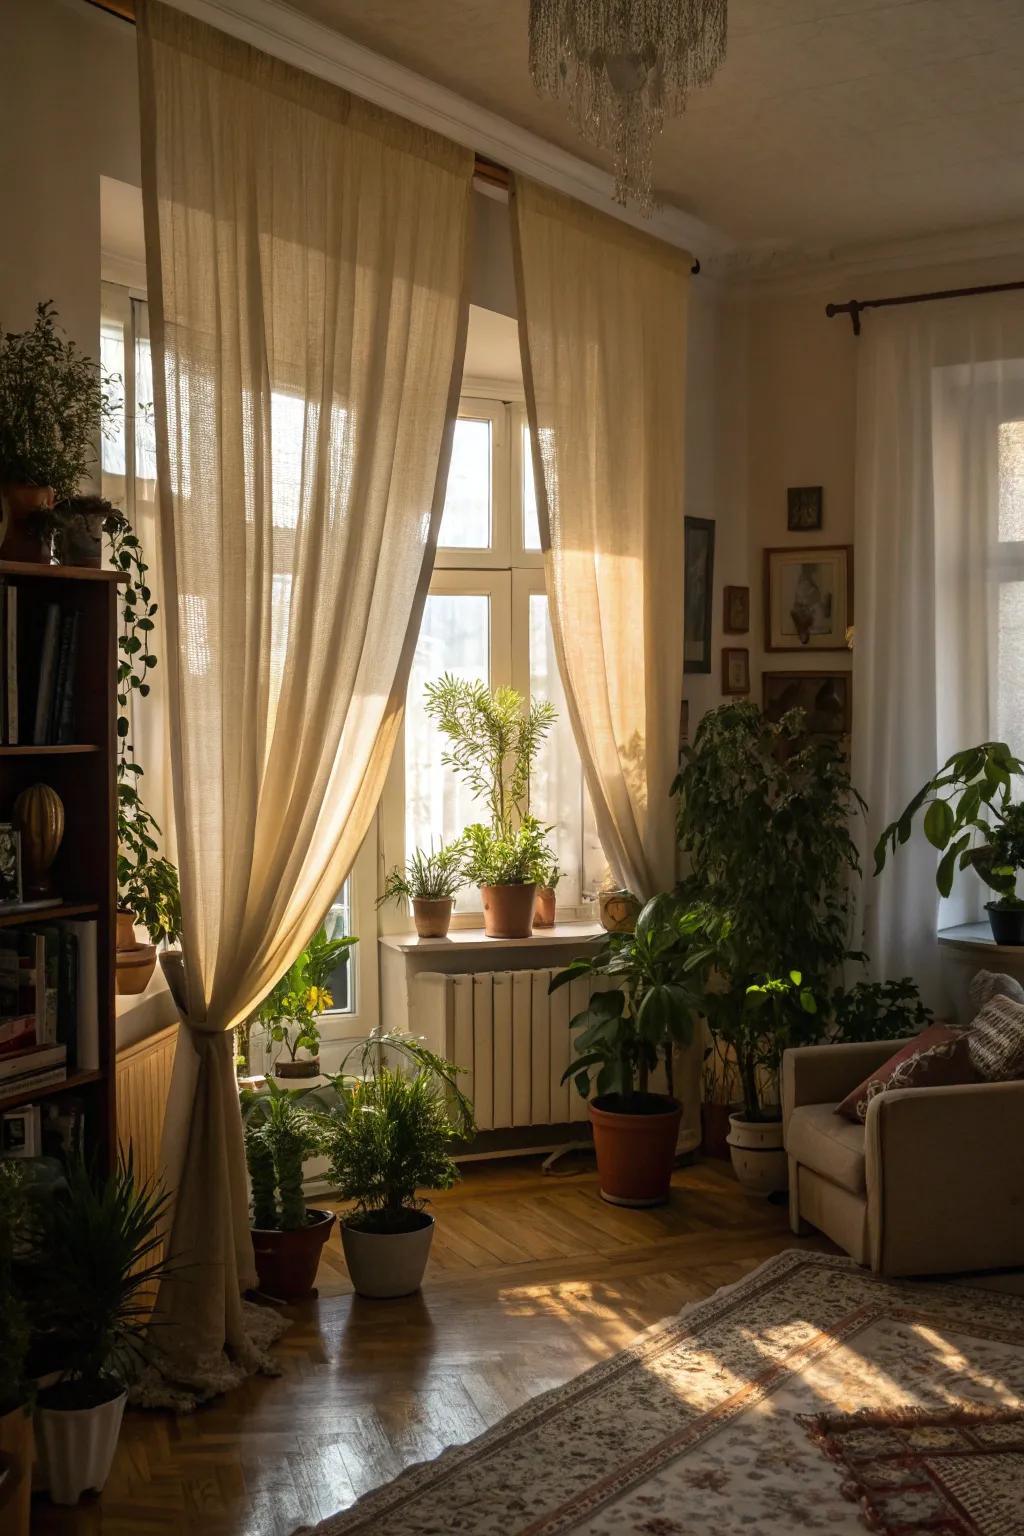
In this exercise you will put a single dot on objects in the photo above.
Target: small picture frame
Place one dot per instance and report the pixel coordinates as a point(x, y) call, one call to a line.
point(699, 560)
point(10, 866)
point(736, 610)
point(684, 724)
point(804, 508)
point(735, 669)
point(825, 697)
point(808, 598)
point(21, 1132)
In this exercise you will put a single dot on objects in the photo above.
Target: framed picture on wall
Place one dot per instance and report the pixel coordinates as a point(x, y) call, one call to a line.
point(699, 560)
point(735, 669)
point(808, 598)
point(825, 697)
point(804, 505)
point(736, 610)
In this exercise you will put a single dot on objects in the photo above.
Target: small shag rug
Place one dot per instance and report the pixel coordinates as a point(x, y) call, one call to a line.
point(811, 1396)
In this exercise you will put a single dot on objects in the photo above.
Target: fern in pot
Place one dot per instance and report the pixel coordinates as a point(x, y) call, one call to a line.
point(388, 1138)
point(430, 882)
point(493, 741)
point(281, 1131)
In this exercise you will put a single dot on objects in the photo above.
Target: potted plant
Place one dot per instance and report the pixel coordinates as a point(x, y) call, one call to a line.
point(54, 402)
point(764, 824)
point(430, 881)
point(494, 739)
point(972, 819)
point(281, 1131)
point(389, 1137)
point(290, 1010)
point(15, 1387)
point(658, 972)
point(720, 1094)
point(96, 1257)
point(545, 911)
point(878, 1010)
point(73, 529)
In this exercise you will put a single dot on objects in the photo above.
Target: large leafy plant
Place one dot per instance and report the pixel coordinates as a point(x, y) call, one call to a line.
point(494, 738)
point(281, 1131)
point(657, 977)
point(291, 1008)
point(54, 403)
point(390, 1134)
point(971, 818)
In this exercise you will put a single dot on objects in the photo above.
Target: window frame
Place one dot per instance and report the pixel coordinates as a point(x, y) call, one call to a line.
point(498, 555)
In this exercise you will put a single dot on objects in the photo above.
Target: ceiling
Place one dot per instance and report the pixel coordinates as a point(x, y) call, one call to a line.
point(832, 122)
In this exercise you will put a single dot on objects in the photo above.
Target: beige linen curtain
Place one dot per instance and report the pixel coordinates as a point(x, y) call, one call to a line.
point(602, 325)
point(306, 257)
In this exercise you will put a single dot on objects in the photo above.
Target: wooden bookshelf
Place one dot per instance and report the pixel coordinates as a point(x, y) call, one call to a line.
point(84, 776)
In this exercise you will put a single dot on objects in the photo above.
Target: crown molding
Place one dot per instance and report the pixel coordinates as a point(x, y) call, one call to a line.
point(277, 29)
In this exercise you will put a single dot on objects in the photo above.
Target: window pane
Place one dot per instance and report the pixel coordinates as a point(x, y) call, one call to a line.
point(112, 448)
point(466, 523)
point(1011, 483)
point(557, 792)
point(1010, 666)
point(531, 523)
point(455, 638)
point(338, 923)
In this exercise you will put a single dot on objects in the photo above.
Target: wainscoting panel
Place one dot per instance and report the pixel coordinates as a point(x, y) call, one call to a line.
point(143, 1080)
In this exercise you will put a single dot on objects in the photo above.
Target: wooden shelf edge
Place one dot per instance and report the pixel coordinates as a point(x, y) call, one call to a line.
point(29, 1095)
point(59, 572)
point(47, 914)
point(53, 750)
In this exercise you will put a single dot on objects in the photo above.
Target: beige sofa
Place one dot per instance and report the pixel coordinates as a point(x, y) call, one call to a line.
point(932, 1183)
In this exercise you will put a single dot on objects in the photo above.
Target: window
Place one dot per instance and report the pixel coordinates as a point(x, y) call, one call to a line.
point(1008, 671)
point(486, 616)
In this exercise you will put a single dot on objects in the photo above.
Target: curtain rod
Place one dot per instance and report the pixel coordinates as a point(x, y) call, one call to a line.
point(855, 307)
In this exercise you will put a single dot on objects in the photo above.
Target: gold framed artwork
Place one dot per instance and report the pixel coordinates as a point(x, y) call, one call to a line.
point(825, 697)
point(736, 610)
point(735, 669)
point(808, 598)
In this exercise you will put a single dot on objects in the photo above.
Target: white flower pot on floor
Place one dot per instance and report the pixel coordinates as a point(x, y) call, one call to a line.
point(76, 1447)
point(758, 1155)
point(384, 1264)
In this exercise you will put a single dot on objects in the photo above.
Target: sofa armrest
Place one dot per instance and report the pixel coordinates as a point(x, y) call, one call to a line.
point(824, 1074)
point(945, 1178)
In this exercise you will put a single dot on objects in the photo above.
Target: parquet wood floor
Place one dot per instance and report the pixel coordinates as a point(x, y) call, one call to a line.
point(531, 1279)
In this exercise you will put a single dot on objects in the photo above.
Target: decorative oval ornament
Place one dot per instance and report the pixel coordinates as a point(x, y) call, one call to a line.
point(38, 816)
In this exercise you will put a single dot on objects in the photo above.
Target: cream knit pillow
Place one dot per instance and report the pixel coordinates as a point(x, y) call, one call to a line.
point(995, 1040)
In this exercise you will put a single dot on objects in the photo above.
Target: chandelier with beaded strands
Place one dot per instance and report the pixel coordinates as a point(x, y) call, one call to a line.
point(624, 66)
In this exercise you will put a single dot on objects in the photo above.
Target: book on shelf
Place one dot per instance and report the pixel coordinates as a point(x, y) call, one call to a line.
point(31, 1082)
point(48, 994)
point(39, 667)
point(9, 648)
point(26, 1063)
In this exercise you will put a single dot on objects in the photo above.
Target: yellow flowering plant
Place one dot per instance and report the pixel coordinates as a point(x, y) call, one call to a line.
point(290, 1010)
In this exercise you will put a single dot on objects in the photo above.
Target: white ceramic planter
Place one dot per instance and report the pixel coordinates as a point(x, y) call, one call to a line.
point(76, 1447)
point(758, 1155)
point(384, 1264)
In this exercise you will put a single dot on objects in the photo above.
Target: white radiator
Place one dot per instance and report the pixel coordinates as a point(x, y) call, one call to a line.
point(511, 1038)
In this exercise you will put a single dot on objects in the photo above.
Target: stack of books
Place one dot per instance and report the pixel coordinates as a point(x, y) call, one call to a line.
point(38, 688)
point(49, 1016)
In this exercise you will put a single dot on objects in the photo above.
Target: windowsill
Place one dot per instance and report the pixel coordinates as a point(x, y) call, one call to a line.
point(470, 939)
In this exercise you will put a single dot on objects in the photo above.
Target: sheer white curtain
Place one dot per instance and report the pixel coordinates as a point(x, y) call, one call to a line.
point(306, 257)
point(936, 666)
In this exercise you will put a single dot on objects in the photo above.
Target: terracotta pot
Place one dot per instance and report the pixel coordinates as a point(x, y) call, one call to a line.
point(305, 1066)
point(508, 910)
point(38, 815)
point(386, 1264)
point(16, 1455)
point(758, 1156)
point(125, 931)
point(618, 911)
point(134, 969)
point(77, 1445)
point(432, 916)
point(544, 912)
point(287, 1262)
point(714, 1129)
point(19, 505)
point(635, 1151)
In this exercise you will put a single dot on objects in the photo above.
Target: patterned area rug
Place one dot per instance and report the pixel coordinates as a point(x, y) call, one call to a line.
point(714, 1423)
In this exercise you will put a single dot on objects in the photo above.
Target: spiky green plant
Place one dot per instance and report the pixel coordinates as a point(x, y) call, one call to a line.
point(493, 740)
point(280, 1133)
point(390, 1134)
point(96, 1259)
point(433, 876)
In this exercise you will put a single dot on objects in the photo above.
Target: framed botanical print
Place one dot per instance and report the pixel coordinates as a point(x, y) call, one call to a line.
point(825, 697)
point(808, 598)
point(736, 610)
point(804, 508)
point(699, 561)
point(735, 669)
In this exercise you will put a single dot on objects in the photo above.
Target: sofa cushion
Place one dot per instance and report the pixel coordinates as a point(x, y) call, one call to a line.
point(832, 1146)
point(989, 984)
point(936, 1057)
point(996, 1041)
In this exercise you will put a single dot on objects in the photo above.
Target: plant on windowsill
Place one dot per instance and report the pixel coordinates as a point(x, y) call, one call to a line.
point(972, 819)
point(546, 909)
point(95, 1262)
point(54, 404)
point(281, 1131)
point(291, 1009)
point(15, 1385)
point(494, 738)
point(430, 881)
point(658, 976)
point(388, 1137)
